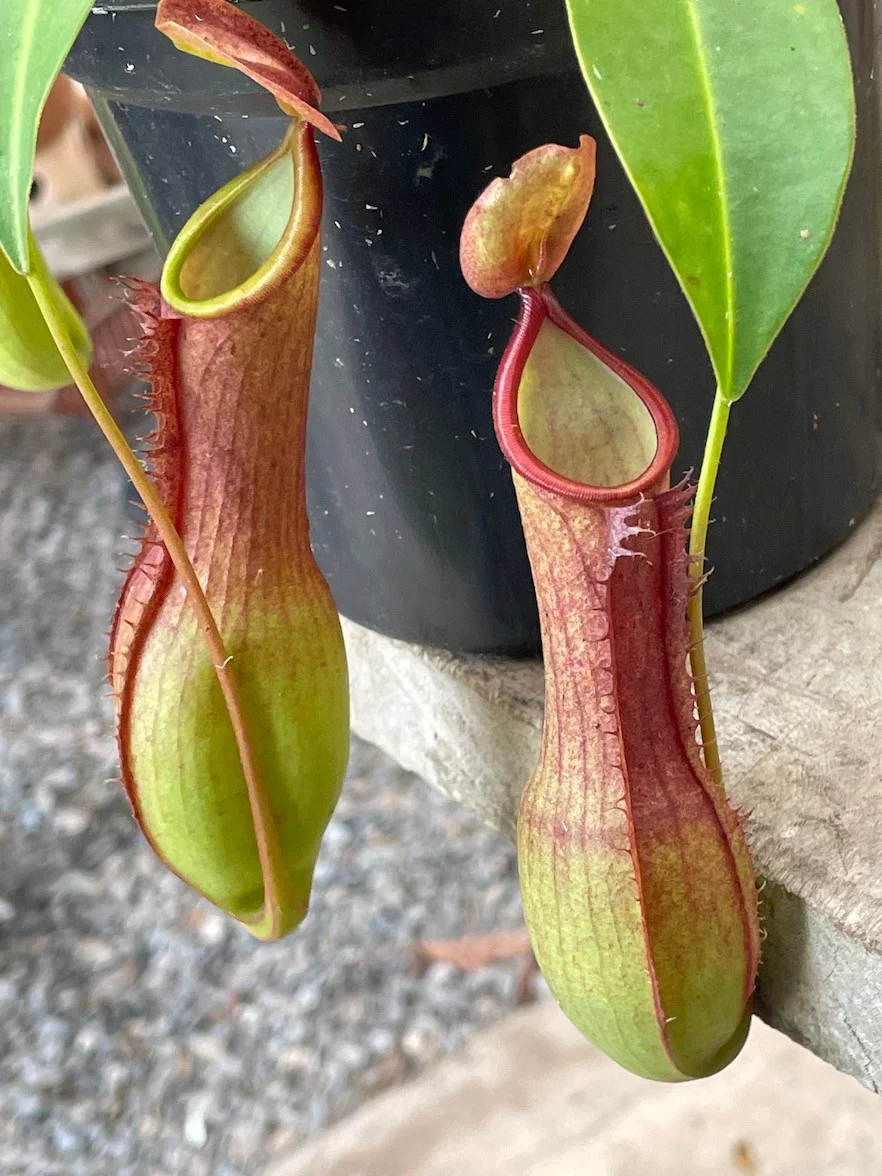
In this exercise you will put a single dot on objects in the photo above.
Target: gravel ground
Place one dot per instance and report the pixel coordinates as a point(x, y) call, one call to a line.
point(140, 1031)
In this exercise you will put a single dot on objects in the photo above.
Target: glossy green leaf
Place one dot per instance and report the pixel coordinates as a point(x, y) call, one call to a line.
point(29, 359)
point(35, 37)
point(735, 122)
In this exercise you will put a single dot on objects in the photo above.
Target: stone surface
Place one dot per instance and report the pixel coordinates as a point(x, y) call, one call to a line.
point(797, 687)
point(141, 1032)
point(531, 1098)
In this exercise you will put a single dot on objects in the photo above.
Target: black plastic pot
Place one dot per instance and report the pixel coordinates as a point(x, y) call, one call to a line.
point(413, 517)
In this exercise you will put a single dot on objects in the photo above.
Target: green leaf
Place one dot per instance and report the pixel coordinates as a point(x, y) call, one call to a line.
point(29, 359)
point(35, 37)
point(735, 122)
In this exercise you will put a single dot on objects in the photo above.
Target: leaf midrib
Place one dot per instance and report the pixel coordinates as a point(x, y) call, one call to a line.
point(15, 160)
point(726, 378)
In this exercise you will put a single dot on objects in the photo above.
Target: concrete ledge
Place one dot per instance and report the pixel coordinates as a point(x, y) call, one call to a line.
point(797, 684)
point(530, 1097)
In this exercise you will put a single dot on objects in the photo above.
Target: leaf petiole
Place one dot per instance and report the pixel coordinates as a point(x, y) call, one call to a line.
point(707, 480)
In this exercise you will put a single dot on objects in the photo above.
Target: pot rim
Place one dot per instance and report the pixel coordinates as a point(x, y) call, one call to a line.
point(354, 77)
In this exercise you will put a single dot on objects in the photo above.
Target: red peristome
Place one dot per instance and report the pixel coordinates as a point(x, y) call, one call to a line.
point(217, 29)
point(537, 307)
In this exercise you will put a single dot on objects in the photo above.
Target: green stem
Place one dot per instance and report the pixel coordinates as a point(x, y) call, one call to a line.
point(268, 921)
point(710, 465)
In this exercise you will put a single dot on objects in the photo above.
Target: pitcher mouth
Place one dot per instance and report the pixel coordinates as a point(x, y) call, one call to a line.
point(537, 307)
